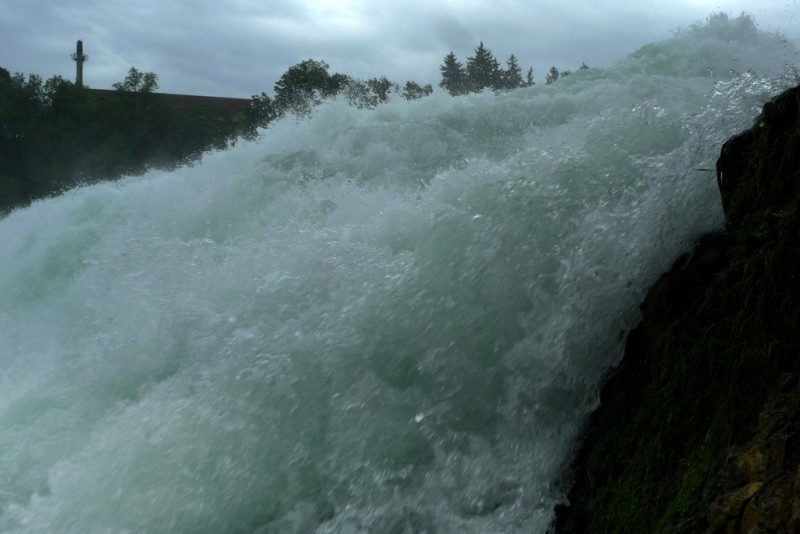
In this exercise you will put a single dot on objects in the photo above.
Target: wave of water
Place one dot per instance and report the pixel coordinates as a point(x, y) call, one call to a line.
point(377, 321)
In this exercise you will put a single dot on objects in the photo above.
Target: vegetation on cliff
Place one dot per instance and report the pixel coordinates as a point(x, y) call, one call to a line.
point(697, 427)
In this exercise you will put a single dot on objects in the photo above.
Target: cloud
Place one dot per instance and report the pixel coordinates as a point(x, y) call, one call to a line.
point(241, 47)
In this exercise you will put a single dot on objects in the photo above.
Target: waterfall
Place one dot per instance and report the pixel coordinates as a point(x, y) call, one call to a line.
point(389, 320)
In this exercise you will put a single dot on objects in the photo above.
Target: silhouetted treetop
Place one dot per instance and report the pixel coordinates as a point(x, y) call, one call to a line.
point(413, 91)
point(552, 75)
point(305, 84)
point(512, 76)
point(483, 70)
point(529, 78)
point(138, 82)
point(454, 77)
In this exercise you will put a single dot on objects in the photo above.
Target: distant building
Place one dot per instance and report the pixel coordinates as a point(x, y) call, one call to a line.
point(233, 106)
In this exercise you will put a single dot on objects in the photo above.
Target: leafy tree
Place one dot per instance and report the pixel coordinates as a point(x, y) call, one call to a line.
point(370, 93)
point(358, 94)
point(87, 140)
point(259, 114)
point(512, 76)
point(454, 77)
point(22, 116)
point(483, 70)
point(551, 76)
point(305, 85)
point(413, 91)
point(138, 82)
point(60, 95)
point(382, 87)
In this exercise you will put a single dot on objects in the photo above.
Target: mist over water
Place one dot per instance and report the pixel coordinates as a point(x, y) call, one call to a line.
point(379, 321)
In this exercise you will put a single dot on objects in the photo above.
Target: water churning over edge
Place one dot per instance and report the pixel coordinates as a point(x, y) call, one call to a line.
point(368, 321)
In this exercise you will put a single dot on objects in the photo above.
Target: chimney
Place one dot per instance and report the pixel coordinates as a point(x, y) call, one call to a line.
point(79, 57)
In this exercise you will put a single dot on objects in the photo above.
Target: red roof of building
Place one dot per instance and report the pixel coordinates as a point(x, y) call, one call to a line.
point(225, 105)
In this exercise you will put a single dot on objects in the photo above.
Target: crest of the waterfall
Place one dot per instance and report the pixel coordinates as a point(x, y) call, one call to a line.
point(368, 321)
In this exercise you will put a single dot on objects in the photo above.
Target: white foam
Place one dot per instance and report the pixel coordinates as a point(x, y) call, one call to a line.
point(366, 321)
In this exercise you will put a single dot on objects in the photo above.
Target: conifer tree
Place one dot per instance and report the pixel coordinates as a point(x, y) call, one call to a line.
point(454, 77)
point(529, 78)
point(552, 76)
point(512, 76)
point(483, 70)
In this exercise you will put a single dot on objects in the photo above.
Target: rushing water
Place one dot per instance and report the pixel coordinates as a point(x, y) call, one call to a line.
point(377, 321)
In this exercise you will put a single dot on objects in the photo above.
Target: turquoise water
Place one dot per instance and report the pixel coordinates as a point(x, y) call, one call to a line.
point(377, 321)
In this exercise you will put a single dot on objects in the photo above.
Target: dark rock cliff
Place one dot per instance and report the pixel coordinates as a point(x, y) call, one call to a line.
point(699, 427)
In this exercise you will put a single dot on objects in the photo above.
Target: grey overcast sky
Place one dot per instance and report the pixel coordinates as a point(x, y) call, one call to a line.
point(239, 48)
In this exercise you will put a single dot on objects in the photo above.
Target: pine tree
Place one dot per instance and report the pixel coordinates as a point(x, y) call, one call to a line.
point(454, 77)
point(551, 76)
point(512, 76)
point(483, 70)
point(529, 78)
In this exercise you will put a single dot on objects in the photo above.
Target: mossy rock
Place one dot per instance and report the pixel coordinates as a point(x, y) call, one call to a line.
point(699, 368)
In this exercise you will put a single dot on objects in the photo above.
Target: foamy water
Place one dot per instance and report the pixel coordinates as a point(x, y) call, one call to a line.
point(369, 321)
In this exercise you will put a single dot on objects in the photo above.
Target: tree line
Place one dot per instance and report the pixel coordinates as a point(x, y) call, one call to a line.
point(308, 83)
point(54, 135)
point(483, 71)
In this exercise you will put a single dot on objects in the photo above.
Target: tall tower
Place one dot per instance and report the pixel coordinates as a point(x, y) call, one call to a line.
point(79, 57)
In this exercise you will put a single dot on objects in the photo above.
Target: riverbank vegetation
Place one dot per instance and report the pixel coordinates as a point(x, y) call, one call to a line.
point(56, 134)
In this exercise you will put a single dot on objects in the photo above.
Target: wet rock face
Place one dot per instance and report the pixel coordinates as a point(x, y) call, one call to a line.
point(732, 164)
point(711, 376)
point(760, 485)
point(690, 274)
point(671, 295)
